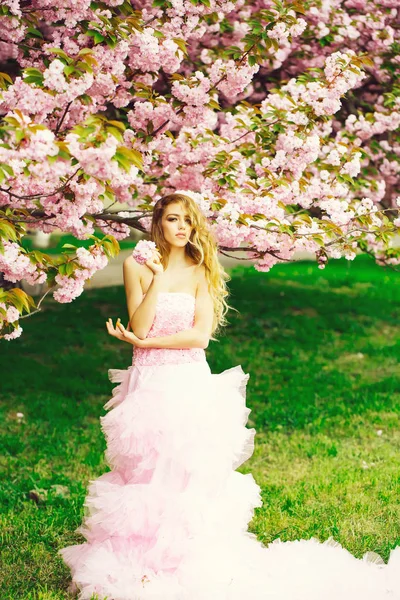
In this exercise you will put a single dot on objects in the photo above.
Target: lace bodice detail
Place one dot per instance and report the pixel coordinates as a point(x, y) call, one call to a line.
point(174, 313)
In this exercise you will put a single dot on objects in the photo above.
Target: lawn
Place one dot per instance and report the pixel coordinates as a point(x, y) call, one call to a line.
point(322, 349)
point(57, 241)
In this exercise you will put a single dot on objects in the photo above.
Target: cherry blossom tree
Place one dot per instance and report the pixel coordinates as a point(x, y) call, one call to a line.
point(281, 119)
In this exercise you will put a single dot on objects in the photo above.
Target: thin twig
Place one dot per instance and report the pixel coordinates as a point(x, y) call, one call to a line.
point(60, 122)
point(38, 309)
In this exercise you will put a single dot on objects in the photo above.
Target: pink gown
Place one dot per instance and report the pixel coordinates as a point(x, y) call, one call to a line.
point(169, 520)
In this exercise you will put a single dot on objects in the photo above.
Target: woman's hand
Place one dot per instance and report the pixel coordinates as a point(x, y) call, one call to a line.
point(123, 334)
point(154, 263)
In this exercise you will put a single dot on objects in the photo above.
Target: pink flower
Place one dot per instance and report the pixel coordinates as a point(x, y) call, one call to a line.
point(54, 78)
point(143, 251)
point(14, 334)
point(12, 314)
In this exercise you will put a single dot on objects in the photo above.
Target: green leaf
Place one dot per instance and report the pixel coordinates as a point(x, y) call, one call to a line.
point(214, 104)
point(70, 268)
point(181, 45)
point(60, 53)
point(252, 60)
point(22, 298)
point(68, 70)
point(85, 99)
point(111, 246)
point(32, 32)
point(123, 163)
point(7, 230)
point(32, 75)
point(6, 77)
point(96, 35)
point(131, 155)
point(319, 240)
point(116, 133)
point(118, 124)
point(158, 34)
point(85, 51)
point(84, 67)
point(7, 169)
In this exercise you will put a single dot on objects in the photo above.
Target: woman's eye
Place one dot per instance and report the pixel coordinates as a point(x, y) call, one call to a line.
point(174, 219)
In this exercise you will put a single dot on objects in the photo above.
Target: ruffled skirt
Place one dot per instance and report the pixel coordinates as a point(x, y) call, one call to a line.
point(169, 521)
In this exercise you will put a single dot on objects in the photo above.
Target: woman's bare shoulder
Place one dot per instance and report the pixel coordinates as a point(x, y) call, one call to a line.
point(130, 262)
point(133, 270)
point(135, 267)
point(132, 267)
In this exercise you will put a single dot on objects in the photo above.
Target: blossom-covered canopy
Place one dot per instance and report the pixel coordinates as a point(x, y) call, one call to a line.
point(280, 118)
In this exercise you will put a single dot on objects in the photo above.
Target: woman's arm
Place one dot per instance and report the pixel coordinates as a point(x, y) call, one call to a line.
point(199, 335)
point(141, 311)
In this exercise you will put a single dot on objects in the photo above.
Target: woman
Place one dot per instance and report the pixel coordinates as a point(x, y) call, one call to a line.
point(169, 521)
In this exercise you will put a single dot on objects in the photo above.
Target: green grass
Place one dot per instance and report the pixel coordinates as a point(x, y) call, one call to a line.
point(57, 241)
point(322, 349)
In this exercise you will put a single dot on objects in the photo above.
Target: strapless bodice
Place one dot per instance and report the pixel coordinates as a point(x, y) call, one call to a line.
point(174, 313)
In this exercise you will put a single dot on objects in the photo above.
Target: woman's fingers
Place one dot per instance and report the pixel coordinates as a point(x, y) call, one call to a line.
point(122, 329)
point(120, 326)
point(111, 329)
point(154, 263)
point(122, 333)
point(110, 326)
point(127, 336)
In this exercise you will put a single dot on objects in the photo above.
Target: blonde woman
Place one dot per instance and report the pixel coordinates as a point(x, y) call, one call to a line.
point(169, 520)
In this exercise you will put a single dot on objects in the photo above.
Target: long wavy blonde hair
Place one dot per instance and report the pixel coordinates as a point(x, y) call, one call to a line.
point(201, 248)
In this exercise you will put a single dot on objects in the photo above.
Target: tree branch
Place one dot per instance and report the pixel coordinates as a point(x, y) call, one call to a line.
point(60, 122)
point(35, 196)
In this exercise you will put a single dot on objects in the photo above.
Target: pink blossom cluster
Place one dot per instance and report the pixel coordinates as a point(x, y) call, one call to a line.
point(29, 100)
point(299, 142)
point(144, 113)
point(341, 75)
point(282, 30)
point(89, 261)
point(148, 54)
point(12, 314)
point(230, 78)
point(14, 334)
point(54, 78)
point(196, 95)
point(143, 251)
point(9, 315)
point(95, 160)
point(15, 265)
point(381, 122)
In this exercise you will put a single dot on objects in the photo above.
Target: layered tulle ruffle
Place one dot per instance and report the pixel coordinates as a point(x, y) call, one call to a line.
point(169, 521)
point(175, 435)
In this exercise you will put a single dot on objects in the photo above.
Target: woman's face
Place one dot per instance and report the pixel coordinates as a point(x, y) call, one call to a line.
point(176, 224)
